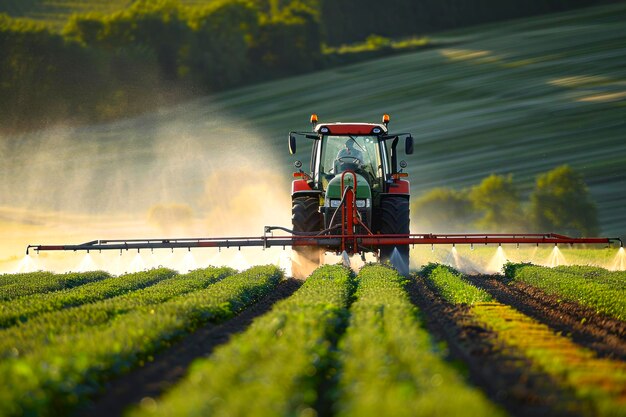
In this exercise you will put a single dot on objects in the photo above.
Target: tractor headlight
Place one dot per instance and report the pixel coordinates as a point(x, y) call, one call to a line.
point(335, 203)
point(362, 203)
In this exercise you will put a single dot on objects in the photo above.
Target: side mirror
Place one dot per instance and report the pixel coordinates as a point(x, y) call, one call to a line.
point(408, 145)
point(292, 144)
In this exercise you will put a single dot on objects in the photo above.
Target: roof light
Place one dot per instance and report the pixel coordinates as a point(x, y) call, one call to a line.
point(399, 175)
point(324, 130)
point(385, 119)
point(314, 118)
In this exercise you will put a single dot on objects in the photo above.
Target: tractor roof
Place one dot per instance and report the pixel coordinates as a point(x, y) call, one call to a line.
point(350, 128)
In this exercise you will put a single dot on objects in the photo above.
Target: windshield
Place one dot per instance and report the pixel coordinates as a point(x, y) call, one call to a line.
point(356, 153)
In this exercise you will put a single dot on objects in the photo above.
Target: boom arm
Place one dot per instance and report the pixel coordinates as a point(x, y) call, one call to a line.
point(332, 242)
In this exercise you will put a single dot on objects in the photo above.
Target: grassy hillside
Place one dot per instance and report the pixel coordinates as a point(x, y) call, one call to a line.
point(520, 97)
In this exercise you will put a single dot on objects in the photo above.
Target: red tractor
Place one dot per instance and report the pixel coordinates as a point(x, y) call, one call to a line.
point(357, 161)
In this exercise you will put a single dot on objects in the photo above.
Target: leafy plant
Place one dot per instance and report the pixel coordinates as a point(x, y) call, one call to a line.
point(589, 286)
point(21, 309)
point(20, 285)
point(47, 328)
point(454, 288)
point(274, 367)
point(52, 380)
point(386, 362)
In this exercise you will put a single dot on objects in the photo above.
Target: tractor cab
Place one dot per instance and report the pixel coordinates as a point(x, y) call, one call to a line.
point(365, 148)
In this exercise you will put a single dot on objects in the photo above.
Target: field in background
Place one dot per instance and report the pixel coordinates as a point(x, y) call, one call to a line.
point(520, 97)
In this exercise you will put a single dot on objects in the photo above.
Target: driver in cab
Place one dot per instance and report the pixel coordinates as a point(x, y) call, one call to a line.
point(348, 158)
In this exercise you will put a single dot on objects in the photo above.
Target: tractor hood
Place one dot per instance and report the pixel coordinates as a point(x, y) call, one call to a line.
point(333, 190)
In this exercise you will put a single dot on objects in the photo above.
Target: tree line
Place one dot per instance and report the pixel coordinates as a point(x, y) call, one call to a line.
point(102, 66)
point(106, 65)
point(559, 203)
point(346, 21)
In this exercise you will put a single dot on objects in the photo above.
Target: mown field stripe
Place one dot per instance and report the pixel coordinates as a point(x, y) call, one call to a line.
point(274, 368)
point(599, 384)
point(388, 362)
point(54, 380)
point(45, 329)
point(603, 292)
point(22, 309)
point(21, 285)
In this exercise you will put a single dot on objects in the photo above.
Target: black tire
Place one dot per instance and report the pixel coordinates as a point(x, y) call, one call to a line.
point(394, 219)
point(305, 217)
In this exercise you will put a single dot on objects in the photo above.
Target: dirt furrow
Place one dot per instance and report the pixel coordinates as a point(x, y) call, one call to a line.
point(506, 378)
point(168, 367)
point(604, 335)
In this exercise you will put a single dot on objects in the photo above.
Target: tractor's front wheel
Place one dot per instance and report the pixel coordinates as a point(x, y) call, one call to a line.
point(305, 217)
point(394, 219)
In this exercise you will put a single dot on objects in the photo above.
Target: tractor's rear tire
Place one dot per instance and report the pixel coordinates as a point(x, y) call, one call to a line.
point(305, 217)
point(394, 219)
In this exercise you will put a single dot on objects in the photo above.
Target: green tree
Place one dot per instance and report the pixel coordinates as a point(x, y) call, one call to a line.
point(288, 43)
point(34, 84)
point(223, 34)
point(497, 201)
point(442, 210)
point(561, 203)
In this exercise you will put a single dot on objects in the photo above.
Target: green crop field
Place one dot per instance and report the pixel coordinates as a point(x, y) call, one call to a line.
point(547, 338)
point(341, 343)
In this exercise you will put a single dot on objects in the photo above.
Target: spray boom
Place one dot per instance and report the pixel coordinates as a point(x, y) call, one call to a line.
point(352, 243)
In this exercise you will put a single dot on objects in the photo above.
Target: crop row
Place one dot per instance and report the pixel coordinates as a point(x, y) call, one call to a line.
point(44, 329)
point(285, 363)
point(8, 279)
point(598, 384)
point(276, 365)
point(592, 287)
point(50, 380)
point(20, 285)
point(388, 363)
point(21, 309)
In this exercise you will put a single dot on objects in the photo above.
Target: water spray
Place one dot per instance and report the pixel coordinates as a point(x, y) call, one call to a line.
point(619, 263)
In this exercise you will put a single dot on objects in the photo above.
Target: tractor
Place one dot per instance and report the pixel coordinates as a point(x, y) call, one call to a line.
point(360, 159)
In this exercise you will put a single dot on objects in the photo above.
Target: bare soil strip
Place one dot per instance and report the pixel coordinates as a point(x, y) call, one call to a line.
point(604, 335)
point(168, 367)
point(506, 378)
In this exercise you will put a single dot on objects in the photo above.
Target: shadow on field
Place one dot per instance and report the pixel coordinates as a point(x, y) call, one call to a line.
point(170, 366)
